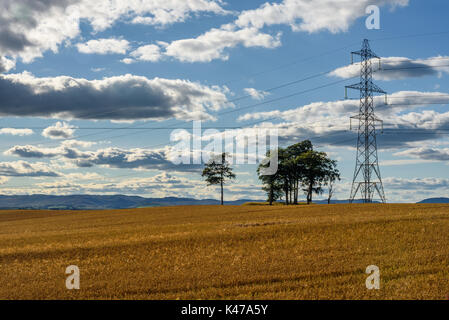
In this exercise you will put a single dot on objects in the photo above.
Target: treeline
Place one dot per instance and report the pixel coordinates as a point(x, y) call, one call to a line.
point(300, 170)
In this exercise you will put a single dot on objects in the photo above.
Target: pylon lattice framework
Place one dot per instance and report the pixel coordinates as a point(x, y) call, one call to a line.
point(367, 179)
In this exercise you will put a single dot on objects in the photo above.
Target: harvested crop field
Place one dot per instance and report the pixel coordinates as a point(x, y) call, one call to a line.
point(229, 252)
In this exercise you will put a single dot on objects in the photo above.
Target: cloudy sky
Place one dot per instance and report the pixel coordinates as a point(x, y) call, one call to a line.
point(90, 91)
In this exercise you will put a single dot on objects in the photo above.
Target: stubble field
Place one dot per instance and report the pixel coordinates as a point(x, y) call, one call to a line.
point(230, 252)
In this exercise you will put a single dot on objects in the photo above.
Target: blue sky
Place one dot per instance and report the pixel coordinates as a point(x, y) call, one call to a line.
point(67, 66)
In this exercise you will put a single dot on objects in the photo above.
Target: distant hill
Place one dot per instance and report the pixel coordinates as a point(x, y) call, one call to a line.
point(98, 202)
point(84, 202)
point(435, 200)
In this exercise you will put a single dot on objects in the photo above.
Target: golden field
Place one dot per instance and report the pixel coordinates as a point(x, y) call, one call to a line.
point(230, 252)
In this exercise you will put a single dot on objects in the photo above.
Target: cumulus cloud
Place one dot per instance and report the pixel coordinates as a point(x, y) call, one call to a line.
point(131, 159)
point(113, 157)
point(311, 16)
point(128, 60)
point(26, 169)
point(329, 121)
point(162, 12)
point(16, 132)
point(426, 153)
point(30, 28)
point(6, 64)
point(396, 68)
point(256, 94)
point(126, 97)
point(211, 45)
point(160, 185)
point(300, 15)
point(104, 46)
point(60, 130)
point(3, 180)
point(149, 52)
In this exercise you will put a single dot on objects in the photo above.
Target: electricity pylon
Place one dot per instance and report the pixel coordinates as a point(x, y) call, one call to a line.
point(367, 178)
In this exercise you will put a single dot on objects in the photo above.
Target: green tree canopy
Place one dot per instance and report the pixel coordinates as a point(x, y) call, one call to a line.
point(299, 166)
point(218, 171)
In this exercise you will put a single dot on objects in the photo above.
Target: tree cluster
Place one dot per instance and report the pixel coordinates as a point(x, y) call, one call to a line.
point(300, 168)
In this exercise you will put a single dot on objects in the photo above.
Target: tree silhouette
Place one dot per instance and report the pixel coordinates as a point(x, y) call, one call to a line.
point(272, 184)
point(318, 169)
point(299, 166)
point(217, 171)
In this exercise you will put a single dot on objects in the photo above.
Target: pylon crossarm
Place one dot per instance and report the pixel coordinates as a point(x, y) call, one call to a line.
point(362, 86)
point(366, 53)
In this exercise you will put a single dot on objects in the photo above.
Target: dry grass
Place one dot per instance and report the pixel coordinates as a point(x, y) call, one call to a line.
point(232, 252)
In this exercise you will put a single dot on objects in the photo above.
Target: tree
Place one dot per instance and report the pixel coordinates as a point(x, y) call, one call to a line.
point(217, 171)
point(295, 168)
point(272, 184)
point(299, 166)
point(330, 186)
point(318, 169)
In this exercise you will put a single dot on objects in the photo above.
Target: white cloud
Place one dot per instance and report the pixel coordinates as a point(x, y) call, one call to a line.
point(126, 97)
point(311, 16)
point(424, 153)
point(128, 60)
point(330, 120)
point(3, 180)
point(256, 94)
point(30, 28)
point(26, 169)
point(60, 130)
point(212, 44)
point(149, 52)
point(300, 15)
point(16, 132)
point(104, 46)
point(112, 157)
point(6, 64)
point(397, 68)
point(160, 185)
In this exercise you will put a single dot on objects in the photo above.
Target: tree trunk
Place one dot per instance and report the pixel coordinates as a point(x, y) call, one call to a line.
point(309, 194)
point(223, 160)
point(286, 192)
point(271, 195)
point(221, 185)
point(291, 193)
point(296, 192)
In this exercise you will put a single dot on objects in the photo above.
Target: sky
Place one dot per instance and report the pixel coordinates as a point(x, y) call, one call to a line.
point(91, 92)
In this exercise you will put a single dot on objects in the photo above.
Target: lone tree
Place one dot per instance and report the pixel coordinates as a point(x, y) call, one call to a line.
point(217, 171)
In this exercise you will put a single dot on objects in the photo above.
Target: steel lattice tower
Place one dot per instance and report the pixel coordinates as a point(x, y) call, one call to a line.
point(367, 178)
